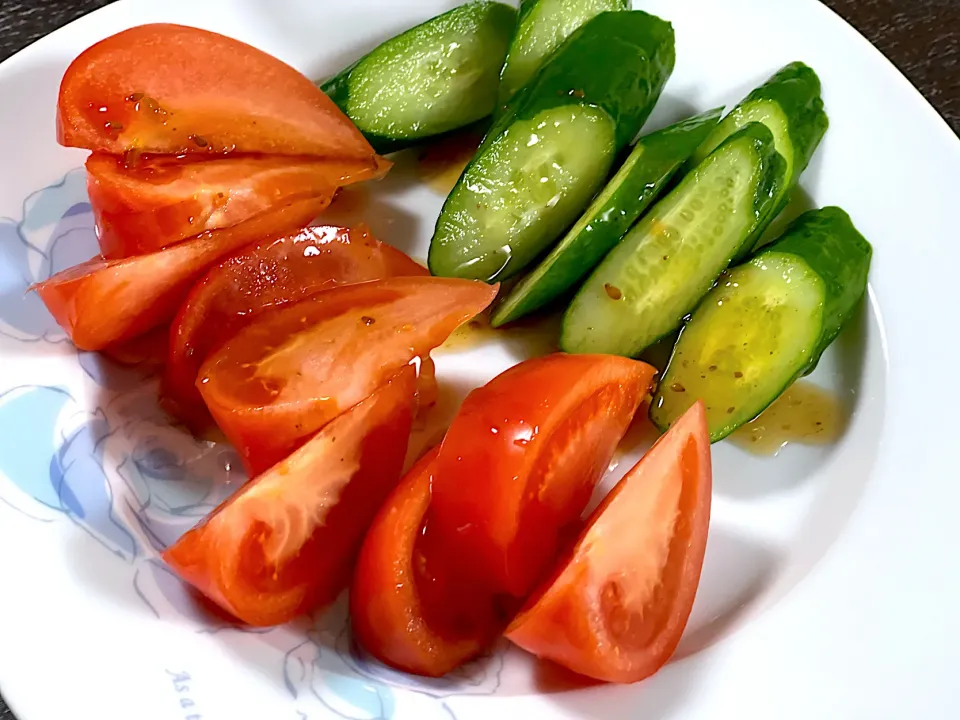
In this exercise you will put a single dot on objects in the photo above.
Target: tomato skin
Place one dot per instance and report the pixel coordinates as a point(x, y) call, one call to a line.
point(387, 612)
point(549, 428)
point(142, 293)
point(270, 274)
point(618, 604)
point(286, 543)
point(287, 374)
point(172, 89)
point(145, 206)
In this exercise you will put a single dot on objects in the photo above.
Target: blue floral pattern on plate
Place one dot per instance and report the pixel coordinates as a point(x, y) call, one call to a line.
point(96, 450)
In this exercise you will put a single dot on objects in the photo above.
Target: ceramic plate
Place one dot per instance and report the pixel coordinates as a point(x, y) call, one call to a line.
point(829, 588)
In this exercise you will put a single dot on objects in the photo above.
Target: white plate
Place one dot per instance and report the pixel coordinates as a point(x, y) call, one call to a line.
point(830, 586)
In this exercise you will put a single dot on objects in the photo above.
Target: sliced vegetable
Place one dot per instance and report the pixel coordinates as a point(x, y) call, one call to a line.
point(670, 259)
point(553, 146)
point(619, 602)
point(389, 614)
point(102, 302)
point(291, 371)
point(434, 78)
point(273, 273)
point(144, 206)
point(766, 323)
point(521, 459)
point(543, 25)
point(286, 543)
point(173, 89)
point(789, 103)
point(650, 166)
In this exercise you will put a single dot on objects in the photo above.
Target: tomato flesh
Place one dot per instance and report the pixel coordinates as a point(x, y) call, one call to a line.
point(618, 604)
point(103, 302)
point(286, 375)
point(270, 274)
point(172, 89)
point(520, 462)
point(387, 609)
point(147, 205)
point(286, 543)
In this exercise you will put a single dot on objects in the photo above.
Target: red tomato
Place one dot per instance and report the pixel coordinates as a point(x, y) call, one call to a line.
point(269, 274)
point(145, 206)
point(103, 302)
point(291, 371)
point(286, 543)
point(387, 611)
point(521, 460)
point(172, 89)
point(619, 602)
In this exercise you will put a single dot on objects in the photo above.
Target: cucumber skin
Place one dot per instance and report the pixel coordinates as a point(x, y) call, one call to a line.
point(771, 180)
point(591, 68)
point(526, 9)
point(338, 87)
point(795, 88)
point(827, 241)
point(663, 153)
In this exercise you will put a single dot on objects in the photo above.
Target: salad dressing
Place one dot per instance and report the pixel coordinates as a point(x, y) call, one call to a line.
point(533, 336)
point(441, 164)
point(805, 414)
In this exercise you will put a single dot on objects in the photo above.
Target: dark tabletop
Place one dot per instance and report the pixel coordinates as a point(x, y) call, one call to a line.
point(921, 37)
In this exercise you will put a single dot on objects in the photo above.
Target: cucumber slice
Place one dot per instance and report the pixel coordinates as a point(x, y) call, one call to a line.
point(550, 151)
point(667, 262)
point(651, 164)
point(789, 103)
point(766, 323)
point(543, 25)
point(434, 78)
point(537, 176)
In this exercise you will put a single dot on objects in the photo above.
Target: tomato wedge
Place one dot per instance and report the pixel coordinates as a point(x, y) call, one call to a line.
point(172, 89)
point(285, 544)
point(619, 603)
point(520, 461)
point(387, 610)
point(144, 206)
point(269, 274)
point(102, 302)
point(290, 372)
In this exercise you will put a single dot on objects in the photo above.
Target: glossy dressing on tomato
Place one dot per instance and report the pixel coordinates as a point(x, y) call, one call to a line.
point(269, 275)
point(174, 89)
point(149, 203)
point(288, 374)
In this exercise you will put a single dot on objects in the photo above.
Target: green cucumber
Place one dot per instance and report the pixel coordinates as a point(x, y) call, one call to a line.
point(542, 26)
point(552, 148)
point(436, 77)
point(656, 275)
point(649, 167)
point(789, 103)
point(766, 323)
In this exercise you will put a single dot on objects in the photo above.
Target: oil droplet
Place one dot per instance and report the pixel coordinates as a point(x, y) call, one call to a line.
point(805, 414)
point(443, 162)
